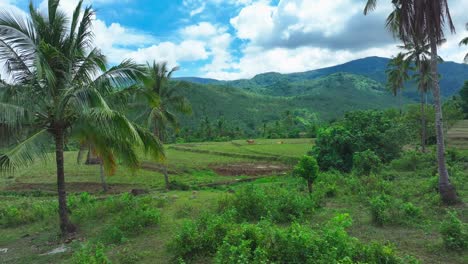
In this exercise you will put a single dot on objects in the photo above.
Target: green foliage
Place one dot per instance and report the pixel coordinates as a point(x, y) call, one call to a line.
point(281, 205)
point(334, 148)
point(464, 98)
point(454, 232)
point(366, 162)
point(379, 132)
point(202, 236)
point(90, 254)
point(266, 243)
point(26, 213)
point(386, 209)
point(307, 168)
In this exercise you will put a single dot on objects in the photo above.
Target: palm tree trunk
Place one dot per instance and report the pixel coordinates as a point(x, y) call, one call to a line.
point(309, 186)
point(423, 123)
point(166, 178)
point(65, 225)
point(447, 191)
point(399, 102)
point(103, 177)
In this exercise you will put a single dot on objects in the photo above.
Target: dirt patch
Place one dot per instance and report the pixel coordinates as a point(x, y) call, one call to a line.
point(72, 187)
point(250, 169)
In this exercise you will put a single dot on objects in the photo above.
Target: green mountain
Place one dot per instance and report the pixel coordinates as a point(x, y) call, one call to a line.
point(453, 76)
point(323, 98)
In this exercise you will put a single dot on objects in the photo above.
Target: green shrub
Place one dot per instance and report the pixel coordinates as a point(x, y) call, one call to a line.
point(414, 161)
point(242, 245)
point(388, 210)
point(90, 254)
point(281, 205)
point(135, 221)
point(29, 211)
point(454, 232)
point(201, 237)
point(112, 235)
point(366, 162)
point(377, 131)
point(307, 168)
point(380, 209)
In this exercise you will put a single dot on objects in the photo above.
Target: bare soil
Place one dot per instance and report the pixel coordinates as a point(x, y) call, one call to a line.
point(250, 169)
point(72, 187)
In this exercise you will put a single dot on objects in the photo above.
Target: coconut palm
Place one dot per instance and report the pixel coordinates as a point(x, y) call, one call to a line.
point(397, 74)
point(465, 42)
point(417, 52)
point(59, 85)
point(163, 114)
point(162, 102)
point(427, 19)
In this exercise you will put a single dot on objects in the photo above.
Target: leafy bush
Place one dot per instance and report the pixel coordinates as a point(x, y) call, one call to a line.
point(334, 148)
point(377, 131)
point(26, 212)
point(307, 169)
point(281, 205)
point(90, 254)
point(454, 232)
point(366, 162)
point(265, 243)
point(388, 210)
point(201, 237)
point(414, 161)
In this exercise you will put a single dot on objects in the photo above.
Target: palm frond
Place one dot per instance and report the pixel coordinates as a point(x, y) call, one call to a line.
point(26, 152)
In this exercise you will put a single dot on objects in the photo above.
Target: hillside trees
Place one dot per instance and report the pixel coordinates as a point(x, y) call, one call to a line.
point(60, 82)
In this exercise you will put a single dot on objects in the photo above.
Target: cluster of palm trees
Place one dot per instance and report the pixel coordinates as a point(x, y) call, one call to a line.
point(420, 25)
point(62, 90)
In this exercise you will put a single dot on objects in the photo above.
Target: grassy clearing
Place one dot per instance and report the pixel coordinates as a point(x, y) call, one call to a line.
point(407, 180)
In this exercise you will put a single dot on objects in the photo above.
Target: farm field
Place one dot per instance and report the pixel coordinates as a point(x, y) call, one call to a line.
point(34, 240)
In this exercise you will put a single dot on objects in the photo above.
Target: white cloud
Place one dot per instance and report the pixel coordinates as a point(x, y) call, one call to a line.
point(198, 10)
point(171, 53)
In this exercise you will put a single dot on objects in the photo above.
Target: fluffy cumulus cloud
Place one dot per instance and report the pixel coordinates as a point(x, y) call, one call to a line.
point(255, 36)
point(300, 35)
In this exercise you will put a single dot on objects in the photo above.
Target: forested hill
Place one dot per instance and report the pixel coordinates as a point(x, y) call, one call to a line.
point(322, 98)
point(453, 77)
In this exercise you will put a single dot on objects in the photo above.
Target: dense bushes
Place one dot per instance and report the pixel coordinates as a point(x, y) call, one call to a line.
point(281, 205)
point(386, 209)
point(90, 254)
point(360, 131)
point(366, 162)
point(26, 212)
point(454, 232)
point(264, 242)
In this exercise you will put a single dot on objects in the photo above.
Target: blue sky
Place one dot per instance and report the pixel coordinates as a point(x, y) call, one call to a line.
point(232, 39)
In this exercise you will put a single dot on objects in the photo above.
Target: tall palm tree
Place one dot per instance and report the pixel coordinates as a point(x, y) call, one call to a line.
point(465, 42)
point(423, 79)
point(397, 74)
point(163, 114)
point(418, 53)
point(60, 81)
point(427, 19)
point(163, 102)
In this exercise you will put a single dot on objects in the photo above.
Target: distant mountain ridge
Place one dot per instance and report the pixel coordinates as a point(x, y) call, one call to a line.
point(453, 76)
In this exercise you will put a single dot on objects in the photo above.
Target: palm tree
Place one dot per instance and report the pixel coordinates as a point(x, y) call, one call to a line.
point(59, 84)
point(163, 102)
point(417, 52)
point(427, 19)
point(397, 75)
point(423, 79)
point(465, 42)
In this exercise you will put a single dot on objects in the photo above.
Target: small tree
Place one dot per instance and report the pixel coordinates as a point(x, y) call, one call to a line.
point(307, 168)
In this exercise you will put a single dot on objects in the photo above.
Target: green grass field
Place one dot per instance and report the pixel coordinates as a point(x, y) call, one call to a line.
point(29, 243)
